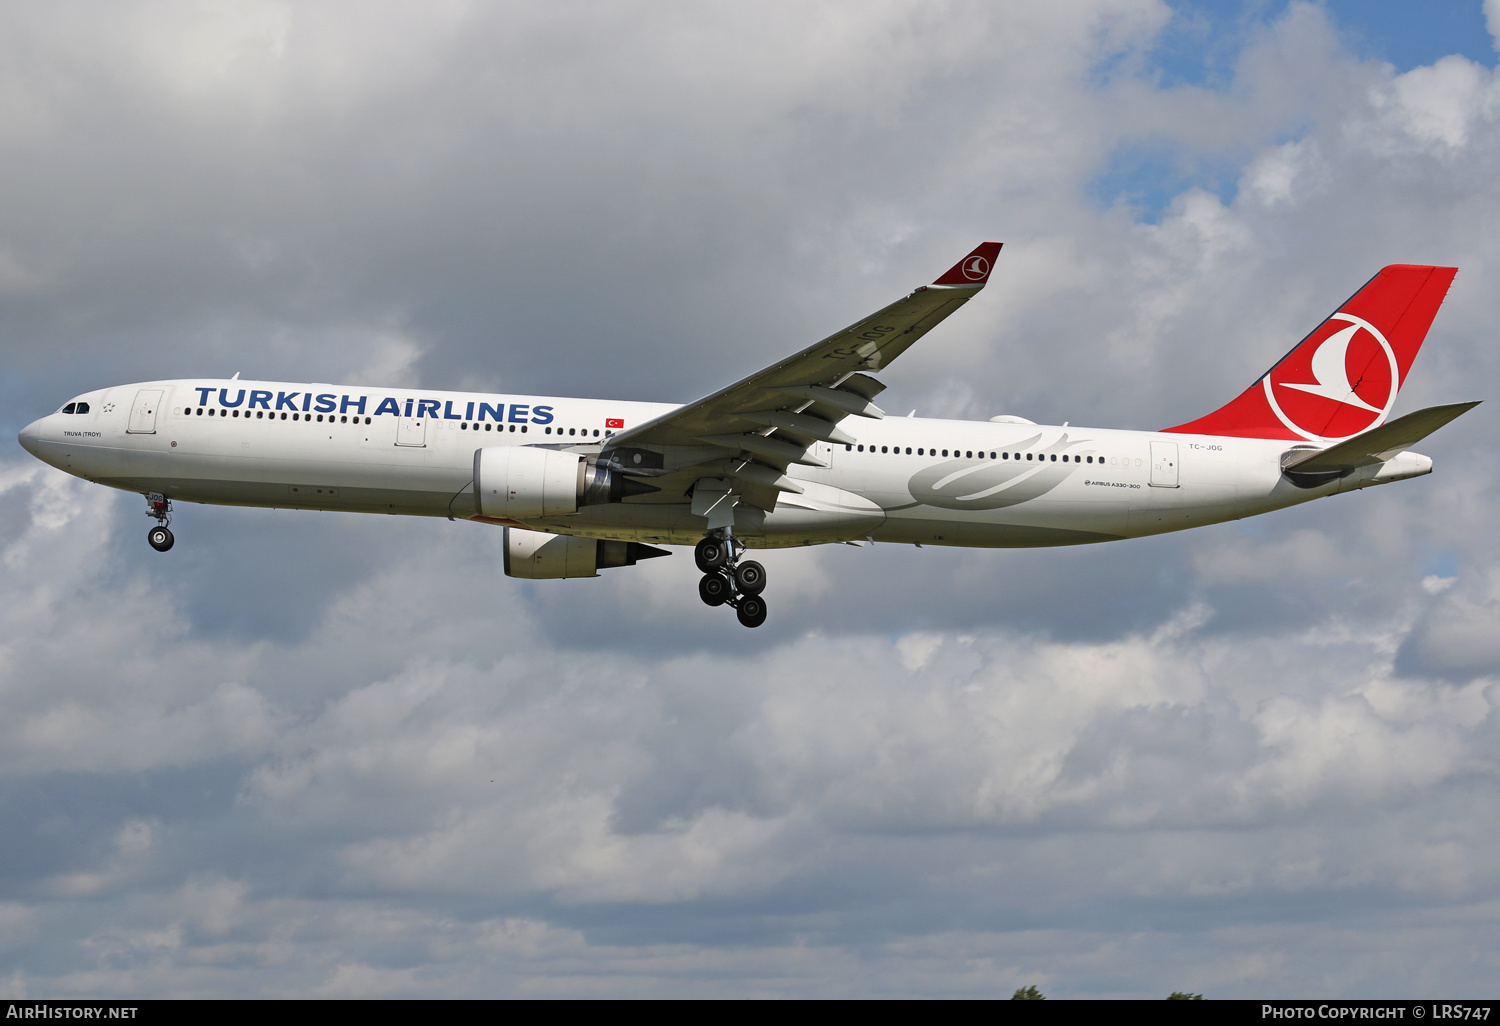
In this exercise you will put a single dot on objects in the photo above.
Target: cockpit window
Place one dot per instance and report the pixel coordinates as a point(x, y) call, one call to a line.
point(70, 407)
point(82, 408)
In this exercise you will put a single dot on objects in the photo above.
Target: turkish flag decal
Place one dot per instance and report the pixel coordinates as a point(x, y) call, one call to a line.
point(613, 422)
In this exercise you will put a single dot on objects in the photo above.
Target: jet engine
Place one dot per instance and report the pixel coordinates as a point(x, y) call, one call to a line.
point(538, 556)
point(519, 482)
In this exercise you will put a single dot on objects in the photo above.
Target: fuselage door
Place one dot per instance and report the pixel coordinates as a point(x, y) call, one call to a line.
point(411, 431)
point(1163, 464)
point(143, 412)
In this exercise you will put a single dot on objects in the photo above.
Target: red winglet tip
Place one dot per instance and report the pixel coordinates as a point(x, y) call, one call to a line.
point(973, 269)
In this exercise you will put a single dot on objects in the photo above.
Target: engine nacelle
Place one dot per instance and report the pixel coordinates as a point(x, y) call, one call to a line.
point(522, 482)
point(518, 482)
point(536, 555)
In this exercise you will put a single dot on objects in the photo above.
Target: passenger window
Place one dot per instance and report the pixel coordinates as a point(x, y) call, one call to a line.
point(968, 455)
point(848, 448)
point(908, 450)
point(884, 449)
point(945, 452)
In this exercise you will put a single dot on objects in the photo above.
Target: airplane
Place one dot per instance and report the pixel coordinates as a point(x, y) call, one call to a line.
point(796, 454)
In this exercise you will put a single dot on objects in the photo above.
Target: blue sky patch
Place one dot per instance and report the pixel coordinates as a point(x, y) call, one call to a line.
point(1443, 564)
point(1148, 174)
point(1201, 45)
point(1202, 42)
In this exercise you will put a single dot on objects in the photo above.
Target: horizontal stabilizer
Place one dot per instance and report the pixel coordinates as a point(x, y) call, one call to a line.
point(1376, 445)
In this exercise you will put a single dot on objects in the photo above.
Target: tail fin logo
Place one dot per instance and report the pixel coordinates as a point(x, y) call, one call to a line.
point(976, 267)
point(1354, 375)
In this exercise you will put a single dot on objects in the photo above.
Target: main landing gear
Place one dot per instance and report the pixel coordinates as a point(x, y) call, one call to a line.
point(159, 506)
point(729, 581)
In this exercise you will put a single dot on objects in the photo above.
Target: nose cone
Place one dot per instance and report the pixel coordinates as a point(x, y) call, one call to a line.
point(31, 437)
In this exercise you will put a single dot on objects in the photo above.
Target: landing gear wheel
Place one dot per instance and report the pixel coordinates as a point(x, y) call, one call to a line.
point(710, 554)
point(160, 538)
point(752, 611)
point(714, 589)
point(750, 578)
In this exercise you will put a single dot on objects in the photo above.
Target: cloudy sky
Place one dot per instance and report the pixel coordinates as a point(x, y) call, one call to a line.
point(326, 754)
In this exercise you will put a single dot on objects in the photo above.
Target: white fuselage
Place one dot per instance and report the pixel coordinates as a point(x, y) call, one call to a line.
point(411, 451)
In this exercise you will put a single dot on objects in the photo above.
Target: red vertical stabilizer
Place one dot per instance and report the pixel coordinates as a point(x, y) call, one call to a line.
point(1342, 379)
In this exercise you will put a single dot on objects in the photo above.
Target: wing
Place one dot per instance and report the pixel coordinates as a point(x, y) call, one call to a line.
point(750, 432)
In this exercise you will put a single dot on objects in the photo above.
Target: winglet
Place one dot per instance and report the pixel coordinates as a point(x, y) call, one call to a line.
point(973, 269)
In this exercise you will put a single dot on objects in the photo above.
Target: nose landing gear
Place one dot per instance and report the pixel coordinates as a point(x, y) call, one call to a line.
point(159, 506)
point(728, 581)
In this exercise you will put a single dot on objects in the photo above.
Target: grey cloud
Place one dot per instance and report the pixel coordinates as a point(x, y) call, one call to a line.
point(1456, 636)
